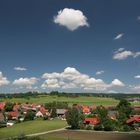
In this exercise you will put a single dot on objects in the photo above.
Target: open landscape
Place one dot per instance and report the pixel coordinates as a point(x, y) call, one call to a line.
point(70, 70)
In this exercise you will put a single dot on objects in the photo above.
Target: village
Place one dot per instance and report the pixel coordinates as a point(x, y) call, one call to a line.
point(11, 114)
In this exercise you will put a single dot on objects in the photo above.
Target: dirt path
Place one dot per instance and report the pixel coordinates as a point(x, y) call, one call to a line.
point(46, 132)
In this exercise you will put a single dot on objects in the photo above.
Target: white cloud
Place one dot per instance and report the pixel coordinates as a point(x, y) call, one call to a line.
point(138, 18)
point(99, 72)
point(137, 76)
point(122, 54)
point(51, 83)
point(26, 82)
point(70, 18)
point(117, 82)
point(135, 88)
point(119, 36)
point(20, 68)
point(136, 54)
point(3, 80)
point(72, 78)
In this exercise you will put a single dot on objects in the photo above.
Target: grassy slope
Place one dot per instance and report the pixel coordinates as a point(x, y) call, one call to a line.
point(81, 100)
point(30, 127)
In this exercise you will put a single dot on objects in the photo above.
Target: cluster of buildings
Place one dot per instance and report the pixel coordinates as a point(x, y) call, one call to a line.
point(19, 111)
point(134, 120)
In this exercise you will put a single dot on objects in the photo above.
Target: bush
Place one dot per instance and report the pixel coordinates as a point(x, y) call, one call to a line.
point(108, 128)
point(89, 127)
point(98, 127)
point(29, 116)
point(45, 117)
point(127, 128)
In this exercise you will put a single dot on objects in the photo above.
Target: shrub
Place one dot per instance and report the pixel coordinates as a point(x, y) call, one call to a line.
point(98, 127)
point(45, 117)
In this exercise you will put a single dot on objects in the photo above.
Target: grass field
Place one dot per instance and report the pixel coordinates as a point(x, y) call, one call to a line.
point(30, 127)
point(80, 100)
point(89, 135)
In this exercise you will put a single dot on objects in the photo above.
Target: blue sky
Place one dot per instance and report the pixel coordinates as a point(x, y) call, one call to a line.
point(68, 45)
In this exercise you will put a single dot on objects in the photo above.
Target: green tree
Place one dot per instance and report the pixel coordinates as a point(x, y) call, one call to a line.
point(74, 118)
point(8, 106)
point(29, 115)
point(124, 110)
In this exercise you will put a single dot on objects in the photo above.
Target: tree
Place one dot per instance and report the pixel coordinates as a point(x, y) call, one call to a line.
point(124, 110)
point(102, 114)
point(29, 115)
point(8, 106)
point(74, 118)
point(105, 122)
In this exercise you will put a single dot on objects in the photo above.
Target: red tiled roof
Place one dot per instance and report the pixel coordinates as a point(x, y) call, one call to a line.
point(12, 114)
point(93, 121)
point(133, 118)
point(2, 105)
point(43, 110)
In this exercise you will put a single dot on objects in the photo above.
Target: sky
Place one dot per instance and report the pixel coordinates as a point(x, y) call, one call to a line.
point(70, 46)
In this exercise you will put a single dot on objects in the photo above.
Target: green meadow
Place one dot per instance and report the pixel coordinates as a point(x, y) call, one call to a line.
point(30, 127)
point(71, 100)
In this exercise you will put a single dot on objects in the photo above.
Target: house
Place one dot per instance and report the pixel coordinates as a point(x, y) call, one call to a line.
point(61, 113)
point(91, 121)
point(2, 105)
point(42, 112)
point(86, 110)
point(16, 107)
point(112, 114)
point(2, 117)
point(134, 121)
point(136, 108)
point(13, 115)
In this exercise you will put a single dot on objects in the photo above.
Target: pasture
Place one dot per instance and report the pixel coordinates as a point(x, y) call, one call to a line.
point(85, 100)
point(30, 127)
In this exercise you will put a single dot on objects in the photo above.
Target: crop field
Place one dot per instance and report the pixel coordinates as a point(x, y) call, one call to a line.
point(90, 135)
point(71, 100)
point(30, 127)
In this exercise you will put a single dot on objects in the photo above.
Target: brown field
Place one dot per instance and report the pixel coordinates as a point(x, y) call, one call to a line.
point(90, 135)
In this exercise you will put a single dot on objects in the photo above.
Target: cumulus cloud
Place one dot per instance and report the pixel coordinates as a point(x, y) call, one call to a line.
point(119, 36)
point(99, 72)
point(137, 77)
point(70, 18)
point(71, 78)
point(117, 82)
point(20, 68)
point(25, 82)
point(3, 80)
point(122, 54)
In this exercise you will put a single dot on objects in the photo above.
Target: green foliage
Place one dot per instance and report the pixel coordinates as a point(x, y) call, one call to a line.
point(53, 113)
point(102, 114)
point(89, 127)
point(29, 115)
point(58, 105)
point(73, 117)
point(8, 106)
point(45, 117)
point(124, 110)
point(98, 127)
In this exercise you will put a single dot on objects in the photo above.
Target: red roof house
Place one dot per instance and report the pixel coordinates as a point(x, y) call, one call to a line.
point(92, 121)
point(134, 118)
point(2, 105)
point(13, 115)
